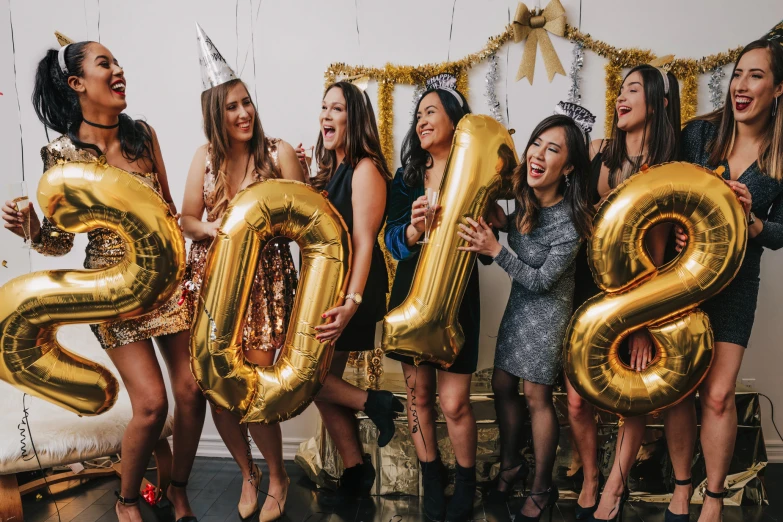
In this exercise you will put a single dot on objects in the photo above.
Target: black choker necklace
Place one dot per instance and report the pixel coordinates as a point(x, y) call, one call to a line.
point(88, 122)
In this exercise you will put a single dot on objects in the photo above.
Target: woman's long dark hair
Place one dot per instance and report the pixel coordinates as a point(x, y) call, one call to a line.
point(361, 139)
point(574, 191)
point(664, 136)
point(213, 109)
point(415, 160)
point(57, 106)
point(771, 148)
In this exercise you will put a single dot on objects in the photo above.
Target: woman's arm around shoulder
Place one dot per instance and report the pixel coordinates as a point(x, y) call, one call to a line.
point(289, 163)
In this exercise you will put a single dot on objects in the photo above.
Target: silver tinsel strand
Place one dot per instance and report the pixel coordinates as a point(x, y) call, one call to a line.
point(716, 87)
point(491, 80)
point(574, 93)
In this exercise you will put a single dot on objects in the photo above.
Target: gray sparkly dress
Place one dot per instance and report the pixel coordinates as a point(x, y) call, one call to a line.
point(530, 340)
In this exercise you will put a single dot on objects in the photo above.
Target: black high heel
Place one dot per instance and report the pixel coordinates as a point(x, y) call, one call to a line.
point(497, 496)
point(720, 495)
point(584, 513)
point(671, 517)
point(618, 517)
point(124, 501)
point(554, 496)
point(186, 518)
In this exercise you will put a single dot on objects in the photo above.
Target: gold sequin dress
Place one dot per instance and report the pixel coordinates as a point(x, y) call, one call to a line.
point(105, 248)
point(272, 296)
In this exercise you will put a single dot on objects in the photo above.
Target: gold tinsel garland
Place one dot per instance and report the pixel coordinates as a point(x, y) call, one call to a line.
point(391, 75)
point(685, 69)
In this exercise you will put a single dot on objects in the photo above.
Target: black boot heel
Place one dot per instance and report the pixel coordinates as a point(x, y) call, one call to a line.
point(434, 482)
point(382, 408)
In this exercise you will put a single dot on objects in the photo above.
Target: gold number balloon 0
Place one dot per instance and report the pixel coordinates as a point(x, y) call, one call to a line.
point(258, 214)
point(78, 197)
point(425, 326)
point(638, 295)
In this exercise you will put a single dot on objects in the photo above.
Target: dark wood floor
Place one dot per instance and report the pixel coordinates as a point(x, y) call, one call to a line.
point(214, 492)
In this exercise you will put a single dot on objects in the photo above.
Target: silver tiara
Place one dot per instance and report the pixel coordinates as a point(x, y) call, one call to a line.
point(581, 116)
point(444, 82)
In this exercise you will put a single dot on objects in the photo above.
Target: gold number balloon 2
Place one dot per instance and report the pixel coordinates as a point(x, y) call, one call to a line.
point(639, 295)
point(78, 197)
point(258, 214)
point(425, 326)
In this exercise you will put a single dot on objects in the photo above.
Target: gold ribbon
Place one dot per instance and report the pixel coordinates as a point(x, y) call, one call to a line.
point(534, 27)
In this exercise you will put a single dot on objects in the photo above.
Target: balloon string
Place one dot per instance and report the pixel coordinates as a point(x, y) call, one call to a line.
point(358, 35)
point(253, 43)
point(16, 86)
point(451, 29)
point(99, 21)
point(414, 413)
point(256, 481)
point(236, 30)
point(26, 423)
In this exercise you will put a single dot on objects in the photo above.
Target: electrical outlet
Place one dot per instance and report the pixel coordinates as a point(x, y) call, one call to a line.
point(750, 382)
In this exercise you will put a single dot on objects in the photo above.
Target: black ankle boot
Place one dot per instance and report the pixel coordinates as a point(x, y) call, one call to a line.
point(461, 504)
point(382, 408)
point(434, 478)
point(355, 483)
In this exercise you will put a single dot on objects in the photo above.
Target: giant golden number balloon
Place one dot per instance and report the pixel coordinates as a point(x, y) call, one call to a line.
point(78, 197)
point(479, 169)
point(639, 295)
point(258, 214)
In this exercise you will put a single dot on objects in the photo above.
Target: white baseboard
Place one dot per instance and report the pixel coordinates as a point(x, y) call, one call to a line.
point(213, 446)
point(774, 451)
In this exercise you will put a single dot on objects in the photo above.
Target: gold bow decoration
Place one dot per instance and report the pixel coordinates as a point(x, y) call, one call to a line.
point(534, 27)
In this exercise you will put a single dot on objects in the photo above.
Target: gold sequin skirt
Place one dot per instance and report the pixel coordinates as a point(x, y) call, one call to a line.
point(166, 320)
point(271, 297)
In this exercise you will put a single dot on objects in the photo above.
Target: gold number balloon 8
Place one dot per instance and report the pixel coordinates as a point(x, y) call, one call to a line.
point(78, 197)
point(256, 215)
point(638, 295)
point(478, 172)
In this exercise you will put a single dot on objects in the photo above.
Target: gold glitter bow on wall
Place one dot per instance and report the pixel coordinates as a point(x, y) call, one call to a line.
point(534, 27)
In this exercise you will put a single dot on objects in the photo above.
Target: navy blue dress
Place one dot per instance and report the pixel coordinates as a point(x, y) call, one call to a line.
point(732, 312)
point(359, 335)
point(401, 198)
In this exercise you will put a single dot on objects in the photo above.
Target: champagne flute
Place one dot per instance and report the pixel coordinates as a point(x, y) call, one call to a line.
point(429, 216)
point(18, 194)
point(309, 153)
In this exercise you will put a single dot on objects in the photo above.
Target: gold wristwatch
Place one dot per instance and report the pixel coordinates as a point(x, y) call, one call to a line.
point(751, 218)
point(355, 297)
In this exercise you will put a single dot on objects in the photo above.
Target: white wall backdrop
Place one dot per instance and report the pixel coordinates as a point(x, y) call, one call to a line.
point(281, 49)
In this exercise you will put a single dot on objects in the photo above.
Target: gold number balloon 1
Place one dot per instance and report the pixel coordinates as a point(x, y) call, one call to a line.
point(78, 197)
point(425, 326)
point(663, 300)
point(258, 214)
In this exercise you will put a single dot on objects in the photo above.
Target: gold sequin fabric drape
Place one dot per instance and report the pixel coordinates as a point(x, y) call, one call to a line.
point(104, 249)
point(272, 297)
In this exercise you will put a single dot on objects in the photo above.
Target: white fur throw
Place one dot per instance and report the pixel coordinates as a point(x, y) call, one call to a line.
point(58, 433)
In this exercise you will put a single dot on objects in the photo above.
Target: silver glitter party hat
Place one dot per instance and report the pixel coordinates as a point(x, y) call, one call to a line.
point(214, 68)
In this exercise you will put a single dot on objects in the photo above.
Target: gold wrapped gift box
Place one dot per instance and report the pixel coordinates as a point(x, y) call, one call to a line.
point(651, 479)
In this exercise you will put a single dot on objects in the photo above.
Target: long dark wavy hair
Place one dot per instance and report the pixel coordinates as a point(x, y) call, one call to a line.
point(771, 148)
point(361, 140)
point(213, 109)
point(664, 135)
point(574, 191)
point(415, 160)
point(57, 106)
